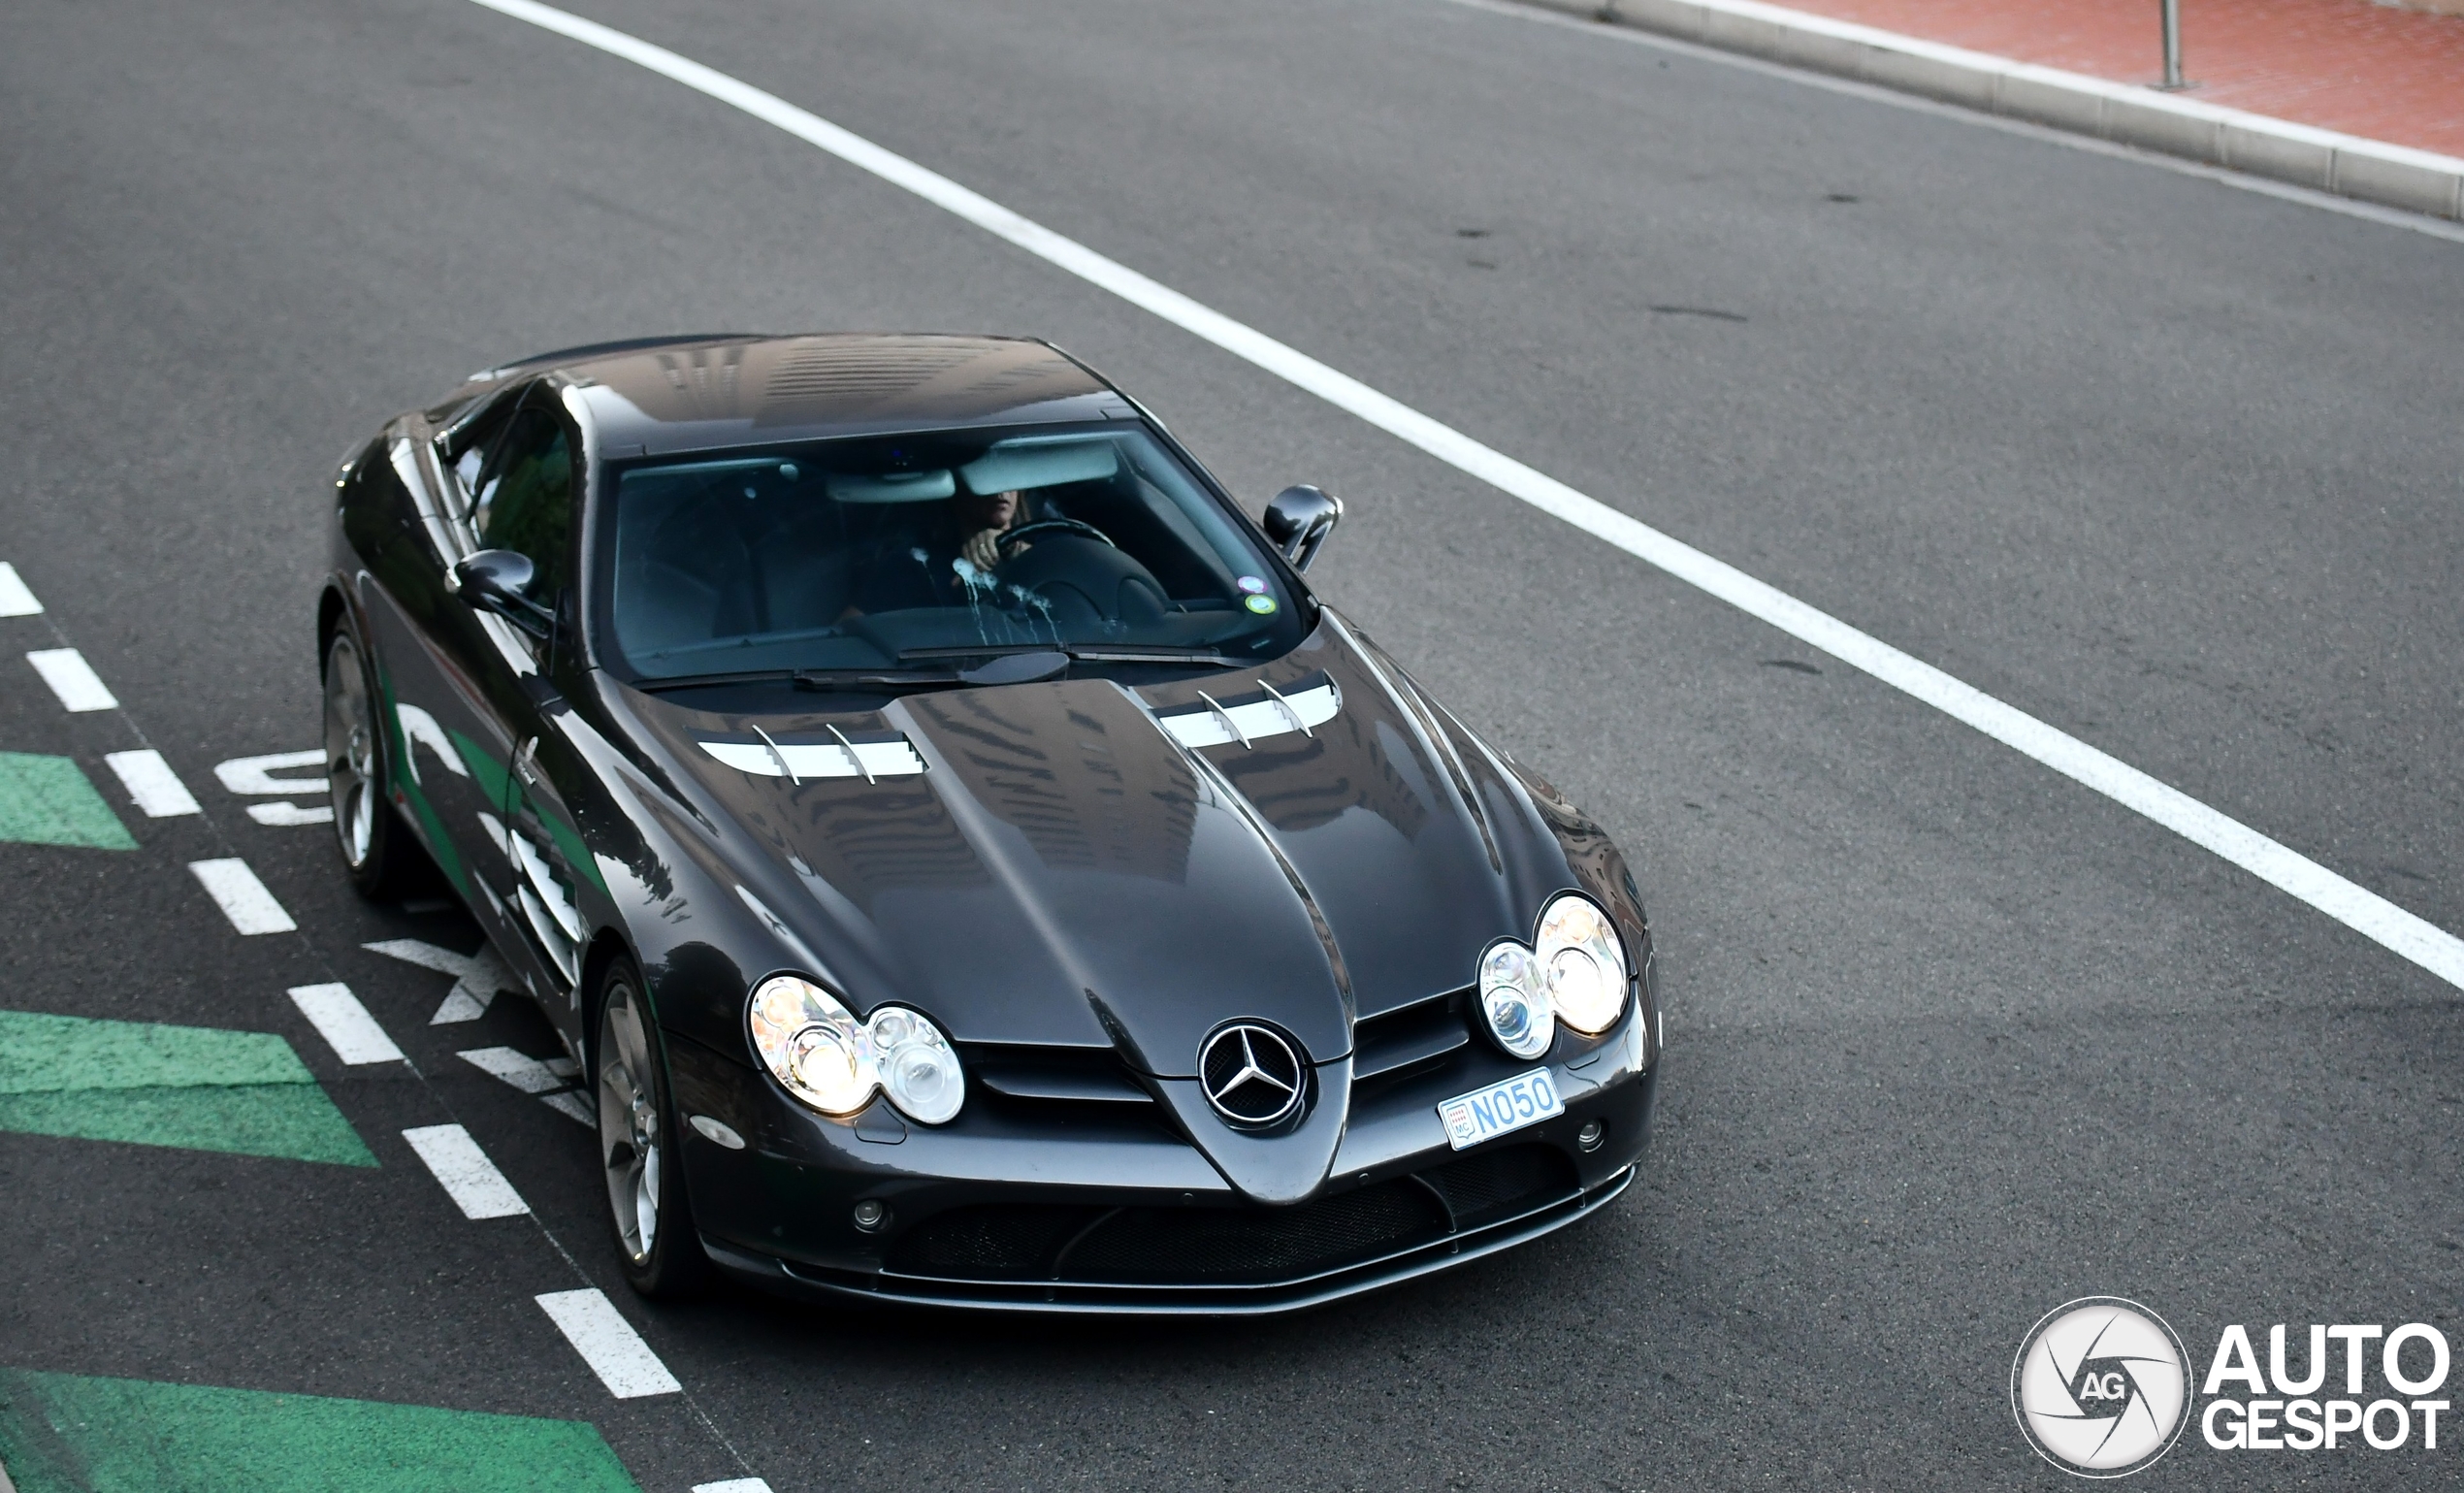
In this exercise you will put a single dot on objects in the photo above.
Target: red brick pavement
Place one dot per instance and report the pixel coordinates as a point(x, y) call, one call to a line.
point(2366, 69)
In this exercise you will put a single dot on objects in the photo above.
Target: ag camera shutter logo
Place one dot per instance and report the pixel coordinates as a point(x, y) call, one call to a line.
point(2102, 1387)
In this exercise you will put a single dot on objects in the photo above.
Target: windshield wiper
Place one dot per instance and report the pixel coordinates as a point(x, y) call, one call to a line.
point(876, 678)
point(1130, 653)
point(810, 679)
point(1003, 664)
point(692, 681)
point(1136, 655)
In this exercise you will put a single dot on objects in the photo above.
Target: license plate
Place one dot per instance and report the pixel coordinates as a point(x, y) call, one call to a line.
point(1508, 1104)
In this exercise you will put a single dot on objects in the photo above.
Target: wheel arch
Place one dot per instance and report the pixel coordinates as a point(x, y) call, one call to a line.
point(331, 609)
point(606, 948)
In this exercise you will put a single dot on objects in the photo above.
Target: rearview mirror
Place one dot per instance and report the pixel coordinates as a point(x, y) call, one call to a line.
point(1299, 520)
point(500, 581)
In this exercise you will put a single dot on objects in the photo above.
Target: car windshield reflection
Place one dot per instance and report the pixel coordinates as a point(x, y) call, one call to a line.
point(874, 553)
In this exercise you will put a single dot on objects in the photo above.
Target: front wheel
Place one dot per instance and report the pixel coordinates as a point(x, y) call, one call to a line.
point(374, 848)
point(638, 1145)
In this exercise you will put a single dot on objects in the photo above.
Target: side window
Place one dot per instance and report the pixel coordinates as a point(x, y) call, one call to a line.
point(471, 448)
point(526, 497)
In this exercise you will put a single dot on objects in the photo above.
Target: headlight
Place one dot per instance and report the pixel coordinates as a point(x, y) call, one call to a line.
point(1583, 964)
point(1514, 1000)
point(829, 1060)
point(917, 1066)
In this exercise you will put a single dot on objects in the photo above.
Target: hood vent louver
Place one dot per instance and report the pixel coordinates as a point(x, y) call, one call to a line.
point(867, 755)
point(1249, 718)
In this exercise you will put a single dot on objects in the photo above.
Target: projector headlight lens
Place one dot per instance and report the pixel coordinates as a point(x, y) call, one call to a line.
point(827, 1060)
point(1583, 964)
point(918, 1068)
point(812, 1044)
point(1516, 1001)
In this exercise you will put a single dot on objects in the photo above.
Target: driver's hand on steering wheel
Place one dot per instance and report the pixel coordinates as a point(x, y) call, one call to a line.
point(989, 516)
point(983, 549)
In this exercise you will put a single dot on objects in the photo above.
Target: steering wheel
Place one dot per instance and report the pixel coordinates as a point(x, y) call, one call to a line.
point(1010, 537)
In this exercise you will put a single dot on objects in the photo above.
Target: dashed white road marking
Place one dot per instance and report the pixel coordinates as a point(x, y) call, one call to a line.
point(734, 1485)
point(287, 815)
point(548, 1080)
point(71, 679)
point(477, 977)
point(255, 774)
point(151, 785)
point(344, 1024)
point(2365, 912)
point(608, 1343)
point(465, 1173)
point(519, 1069)
point(243, 899)
point(16, 600)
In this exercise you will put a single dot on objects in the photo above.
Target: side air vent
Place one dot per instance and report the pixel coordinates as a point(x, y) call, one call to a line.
point(1410, 1036)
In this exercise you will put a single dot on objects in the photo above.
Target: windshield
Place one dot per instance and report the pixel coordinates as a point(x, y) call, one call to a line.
point(867, 553)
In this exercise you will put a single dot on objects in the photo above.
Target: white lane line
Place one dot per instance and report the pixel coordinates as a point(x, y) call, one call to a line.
point(2415, 938)
point(608, 1343)
point(465, 1173)
point(243, 899)
point(73, 679)
point(152, 784)
point(477, 977)
point(734, 1485)
point(16, 599)
point(344, 1024)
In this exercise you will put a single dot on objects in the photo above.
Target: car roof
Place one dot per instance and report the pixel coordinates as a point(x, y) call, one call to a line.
point(664, 394)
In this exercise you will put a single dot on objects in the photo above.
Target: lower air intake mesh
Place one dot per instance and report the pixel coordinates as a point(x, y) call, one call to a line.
point(1266, 1244)
point(1169, 1245)
point(1492, 1185)
point(1229, 1246)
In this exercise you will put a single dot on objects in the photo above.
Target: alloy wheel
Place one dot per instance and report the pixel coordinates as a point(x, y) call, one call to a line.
point(629, 1135)
point(351, 753)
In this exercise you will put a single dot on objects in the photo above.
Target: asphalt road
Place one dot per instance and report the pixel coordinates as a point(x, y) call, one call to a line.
point(2171, 466)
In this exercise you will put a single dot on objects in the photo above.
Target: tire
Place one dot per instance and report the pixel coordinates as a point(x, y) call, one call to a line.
point(359, 781)
point(639, 1147)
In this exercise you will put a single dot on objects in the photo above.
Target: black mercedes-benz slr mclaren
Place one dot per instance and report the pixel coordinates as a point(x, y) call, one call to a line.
point(969, 865)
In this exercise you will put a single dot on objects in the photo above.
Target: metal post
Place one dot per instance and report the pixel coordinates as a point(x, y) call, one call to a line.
point(2172, 11)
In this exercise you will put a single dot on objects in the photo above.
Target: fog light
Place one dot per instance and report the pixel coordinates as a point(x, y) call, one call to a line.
point(871, 1214)
point(1591, 1135)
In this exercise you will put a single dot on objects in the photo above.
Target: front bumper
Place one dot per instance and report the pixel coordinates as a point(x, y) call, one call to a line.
point(1105, 1210)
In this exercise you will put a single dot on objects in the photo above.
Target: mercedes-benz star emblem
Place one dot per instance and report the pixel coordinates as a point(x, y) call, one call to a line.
point(1251, 1076)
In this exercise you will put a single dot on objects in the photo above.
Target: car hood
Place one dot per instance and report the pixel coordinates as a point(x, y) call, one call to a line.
point(1066, 868)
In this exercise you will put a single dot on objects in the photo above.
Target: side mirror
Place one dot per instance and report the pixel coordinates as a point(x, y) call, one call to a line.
point(500, 581)
point(1299, 520)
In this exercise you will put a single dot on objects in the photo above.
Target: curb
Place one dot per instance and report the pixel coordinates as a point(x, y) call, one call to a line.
point(2323, 160)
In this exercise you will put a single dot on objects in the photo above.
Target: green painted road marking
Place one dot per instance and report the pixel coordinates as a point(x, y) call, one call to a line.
point(46, 801)
point(192, 1087)
point(64, 1432)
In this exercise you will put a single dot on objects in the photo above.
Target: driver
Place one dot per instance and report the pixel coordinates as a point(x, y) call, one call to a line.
point(897, 572)
point(983, 518)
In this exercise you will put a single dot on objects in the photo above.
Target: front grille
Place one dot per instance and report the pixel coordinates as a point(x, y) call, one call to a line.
point(1231, 1246)
point(1409, 1041)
